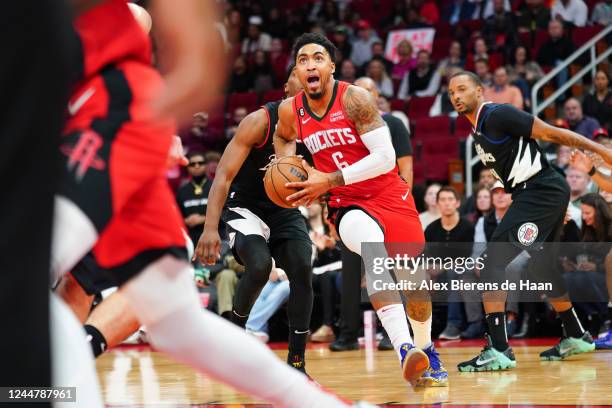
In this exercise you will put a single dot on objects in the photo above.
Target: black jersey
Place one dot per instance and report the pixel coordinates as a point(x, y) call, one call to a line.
point(248, 183)
point(502, 137)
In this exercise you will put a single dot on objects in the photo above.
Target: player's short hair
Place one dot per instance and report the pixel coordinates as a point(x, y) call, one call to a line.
point(448, 189)
point(289, 71)
point(315, 38)
point(473, 77)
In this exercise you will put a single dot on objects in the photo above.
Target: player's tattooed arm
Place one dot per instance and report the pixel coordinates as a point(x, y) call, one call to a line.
point(251, 132)
point(543, 131)
point(285, 134)
point(361, 108)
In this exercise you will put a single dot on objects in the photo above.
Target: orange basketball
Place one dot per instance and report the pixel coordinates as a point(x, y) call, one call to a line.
point(285, 170)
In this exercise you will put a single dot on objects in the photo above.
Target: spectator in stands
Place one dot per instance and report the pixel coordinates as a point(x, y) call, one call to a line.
point(432, 211)
point(424, 80)
point(241, 79)
point(212, 160)
point(264, 78)
point(378, 54)
point(458, 10)
point(376, 71)
point(225, 274)
point(256, 39)
point(485, 178)
point(523, 72)
point(385, 106)
point(279, 59)
point(362, 45)
point(406, 61)
point(602, 13)
point(348, 71)
point(427, 10)
point(325, 13)
point(579, 186)
point(555, 50)
point(341, 41)
point(396, 17)
point(533, 15)
point(200, 134)
point(574, 12)
point(442, 104)
point(454, 59)
point(483, 205)
point(487, 8)
point(233, 26)
point(326, 267)
point(276, 24)
point(239, 114)
point(193, 196)
point(481, 68)
point(442, 233)
point(502, 91)
point(585, 267)
point(598, 104)
point(499, 30)
point(561, 162)
point(578, 122)
point(273, 295)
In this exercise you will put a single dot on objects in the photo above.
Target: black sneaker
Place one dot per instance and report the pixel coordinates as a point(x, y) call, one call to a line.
point(385, 343)
point(298, 362)
point(344, 344)
point(451, 332)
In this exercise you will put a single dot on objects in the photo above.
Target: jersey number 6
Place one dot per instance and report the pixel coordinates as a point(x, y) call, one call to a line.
point(337, 156)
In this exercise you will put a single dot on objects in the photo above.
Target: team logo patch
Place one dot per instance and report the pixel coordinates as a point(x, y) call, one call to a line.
point(302, 112)
point(527, 233)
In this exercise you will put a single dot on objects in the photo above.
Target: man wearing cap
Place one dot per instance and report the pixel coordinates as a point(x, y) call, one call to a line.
point(362, 45)
point(256, 40)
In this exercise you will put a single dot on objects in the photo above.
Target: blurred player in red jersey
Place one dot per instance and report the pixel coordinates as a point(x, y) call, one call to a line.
point(351, 147)
point(115, 201)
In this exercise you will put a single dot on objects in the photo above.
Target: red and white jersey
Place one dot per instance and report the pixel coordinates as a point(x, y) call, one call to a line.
point(334, 144)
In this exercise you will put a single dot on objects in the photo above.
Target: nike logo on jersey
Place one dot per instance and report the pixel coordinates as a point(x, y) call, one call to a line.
point(405, 196)
point(305, 121)
point(300, 332)
point(73, 108)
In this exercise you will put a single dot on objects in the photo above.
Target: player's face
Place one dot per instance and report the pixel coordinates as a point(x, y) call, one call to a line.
point(293, 85)
point(314, 69)
point(464, 94)
point(588, 214)
point(447, 203)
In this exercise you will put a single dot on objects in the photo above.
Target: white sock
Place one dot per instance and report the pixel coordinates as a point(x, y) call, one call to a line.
point(422, 332)
point(74, 364)
point(393, 319)
point(211, 344)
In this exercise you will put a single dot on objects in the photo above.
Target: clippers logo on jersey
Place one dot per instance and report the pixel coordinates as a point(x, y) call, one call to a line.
point(84, 153)
point(484, 156)
point(324, 139)
point(527, 233)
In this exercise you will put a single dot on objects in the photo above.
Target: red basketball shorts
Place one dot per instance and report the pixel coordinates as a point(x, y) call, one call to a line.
point(114, 154)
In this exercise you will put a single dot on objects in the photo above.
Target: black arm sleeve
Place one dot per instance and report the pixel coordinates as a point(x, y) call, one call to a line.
point(506, 120)
point(400, 136)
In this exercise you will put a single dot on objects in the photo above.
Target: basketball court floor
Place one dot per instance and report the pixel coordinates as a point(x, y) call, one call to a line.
point(140, 377)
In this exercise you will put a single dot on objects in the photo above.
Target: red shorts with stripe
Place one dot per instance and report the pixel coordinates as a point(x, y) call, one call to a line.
point(395, 212)
point(115, 153)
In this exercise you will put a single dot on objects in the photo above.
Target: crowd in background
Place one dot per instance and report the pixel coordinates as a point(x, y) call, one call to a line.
point(509, 44)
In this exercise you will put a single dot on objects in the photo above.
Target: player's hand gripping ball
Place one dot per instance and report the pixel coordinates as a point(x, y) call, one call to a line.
point(278, 173)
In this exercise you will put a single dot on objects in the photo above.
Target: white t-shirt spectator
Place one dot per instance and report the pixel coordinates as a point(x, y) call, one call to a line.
point(575, 12)
point(362, 49)
point(602, 13)
point(264, 43)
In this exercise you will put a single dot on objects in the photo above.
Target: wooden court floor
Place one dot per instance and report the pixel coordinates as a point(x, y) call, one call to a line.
point(141, 377)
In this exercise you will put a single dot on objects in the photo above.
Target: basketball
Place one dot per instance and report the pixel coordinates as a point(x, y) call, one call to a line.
point(283, 171)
